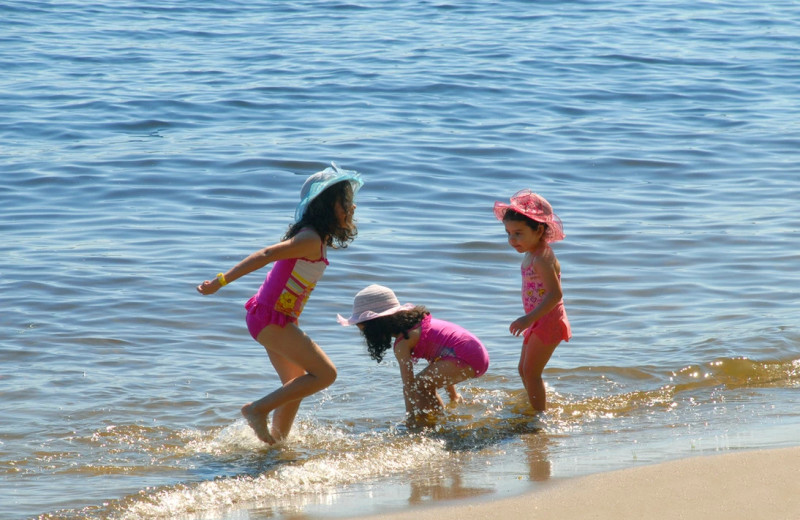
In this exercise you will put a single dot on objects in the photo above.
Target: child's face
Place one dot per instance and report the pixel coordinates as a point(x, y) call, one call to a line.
point(522, 237)
point(344, 213)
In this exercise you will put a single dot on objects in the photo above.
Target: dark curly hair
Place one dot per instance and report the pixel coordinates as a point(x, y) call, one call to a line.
point(380, 332)
point(516, 216)
point(321, 216)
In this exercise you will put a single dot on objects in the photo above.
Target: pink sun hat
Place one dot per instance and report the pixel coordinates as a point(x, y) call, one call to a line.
point(373, 302)
point(535, 207)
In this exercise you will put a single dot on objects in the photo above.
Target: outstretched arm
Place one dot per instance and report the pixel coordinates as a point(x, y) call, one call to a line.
point(305, 244)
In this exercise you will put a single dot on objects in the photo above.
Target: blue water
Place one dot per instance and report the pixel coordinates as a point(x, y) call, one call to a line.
point(146, 146)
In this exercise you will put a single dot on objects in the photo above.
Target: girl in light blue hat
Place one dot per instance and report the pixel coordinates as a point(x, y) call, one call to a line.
point(324, 217)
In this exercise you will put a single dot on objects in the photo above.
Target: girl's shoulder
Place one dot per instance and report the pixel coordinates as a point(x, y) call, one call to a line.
point(417, 329)
point(544, 254)
point(309, 241)
point(407, 343)
point(414, 333)
point(308, 233)
point(544, 258)
point(527, 260)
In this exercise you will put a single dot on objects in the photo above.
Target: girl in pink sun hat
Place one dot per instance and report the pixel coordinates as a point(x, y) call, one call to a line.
point(531, 225)
point(453, 353)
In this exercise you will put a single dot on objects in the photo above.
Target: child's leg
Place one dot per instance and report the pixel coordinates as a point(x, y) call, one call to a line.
point(535, 356)
point(452, 392)
point(439, 374)
point(297, 354)
point(283, 416)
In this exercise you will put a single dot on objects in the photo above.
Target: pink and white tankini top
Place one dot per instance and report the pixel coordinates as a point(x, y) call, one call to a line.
point(284, 293)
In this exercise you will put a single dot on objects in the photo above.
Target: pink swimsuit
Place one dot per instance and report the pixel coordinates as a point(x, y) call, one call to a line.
point(441, 339)
point(551, 328)
point(284, 293)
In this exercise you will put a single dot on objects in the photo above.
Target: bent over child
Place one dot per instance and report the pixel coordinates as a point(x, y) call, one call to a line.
point(453, 353)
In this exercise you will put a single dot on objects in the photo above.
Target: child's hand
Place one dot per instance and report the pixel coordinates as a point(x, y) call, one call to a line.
point(208, 287)
point(519, 325)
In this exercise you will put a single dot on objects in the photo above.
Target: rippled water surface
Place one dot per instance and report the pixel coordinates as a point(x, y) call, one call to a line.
point(146, 146)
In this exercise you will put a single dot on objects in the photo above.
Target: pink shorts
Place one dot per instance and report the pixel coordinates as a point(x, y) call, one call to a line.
point(259, 316)
point(476, 357)
point(552, 328)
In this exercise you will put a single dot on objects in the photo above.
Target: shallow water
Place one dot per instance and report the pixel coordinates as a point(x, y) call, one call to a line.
point(145, 147)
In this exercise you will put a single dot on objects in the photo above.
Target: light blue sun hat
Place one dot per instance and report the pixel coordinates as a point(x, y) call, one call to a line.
point(320, 181)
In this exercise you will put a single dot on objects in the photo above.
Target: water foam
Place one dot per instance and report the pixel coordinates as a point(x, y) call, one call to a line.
point(353, 458)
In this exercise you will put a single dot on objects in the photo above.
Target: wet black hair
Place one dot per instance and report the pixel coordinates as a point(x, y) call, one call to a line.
point(380, 332)
point(321, 216)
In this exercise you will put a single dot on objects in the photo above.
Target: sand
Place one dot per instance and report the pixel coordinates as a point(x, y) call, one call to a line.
point(750, 485)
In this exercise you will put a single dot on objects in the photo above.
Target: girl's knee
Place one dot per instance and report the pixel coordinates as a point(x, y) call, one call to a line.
point(327, 375)
point(533, 380)
point(526, 366)
point(424, 385)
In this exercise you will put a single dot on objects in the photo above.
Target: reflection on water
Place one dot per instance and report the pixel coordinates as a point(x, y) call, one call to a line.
point(443, 487)
point(536, 451)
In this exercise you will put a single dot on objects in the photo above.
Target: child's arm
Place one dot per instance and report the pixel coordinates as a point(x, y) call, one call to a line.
point(305, 244)
point(402, 351)
point(545, 267)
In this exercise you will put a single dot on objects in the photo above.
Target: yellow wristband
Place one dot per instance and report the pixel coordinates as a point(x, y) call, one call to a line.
point(222, 281)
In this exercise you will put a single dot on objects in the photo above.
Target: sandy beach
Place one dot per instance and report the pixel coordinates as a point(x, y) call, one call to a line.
point(747, 485)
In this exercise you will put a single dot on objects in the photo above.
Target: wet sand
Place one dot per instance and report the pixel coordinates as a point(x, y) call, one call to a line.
point(744, 485)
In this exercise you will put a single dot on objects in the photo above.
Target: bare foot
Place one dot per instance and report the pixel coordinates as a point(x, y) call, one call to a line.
point(258, 423)
point(456, 398)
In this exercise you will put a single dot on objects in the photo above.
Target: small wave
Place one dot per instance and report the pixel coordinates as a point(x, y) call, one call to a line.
point(235, 438)
point(653, 390)
point(350, 459)
point(740, 372)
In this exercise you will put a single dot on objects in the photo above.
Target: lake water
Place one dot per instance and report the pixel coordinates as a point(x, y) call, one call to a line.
point(146, 146)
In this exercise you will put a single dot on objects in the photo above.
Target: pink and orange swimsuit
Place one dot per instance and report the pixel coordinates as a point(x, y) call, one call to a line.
point(284, 293)
point(551, 328)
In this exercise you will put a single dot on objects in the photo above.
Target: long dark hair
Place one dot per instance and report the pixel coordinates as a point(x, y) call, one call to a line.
point(379, 332)
point(516, 216)
point(321, 216)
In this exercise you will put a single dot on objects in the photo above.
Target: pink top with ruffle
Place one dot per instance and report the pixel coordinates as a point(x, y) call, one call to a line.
point(285, 291)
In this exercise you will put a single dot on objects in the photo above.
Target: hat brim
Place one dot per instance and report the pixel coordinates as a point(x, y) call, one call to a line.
point(500, 209)
point(355, 319)
point(555, 229)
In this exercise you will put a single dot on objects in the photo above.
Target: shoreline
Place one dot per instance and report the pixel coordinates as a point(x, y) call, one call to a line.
point(736, 486)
